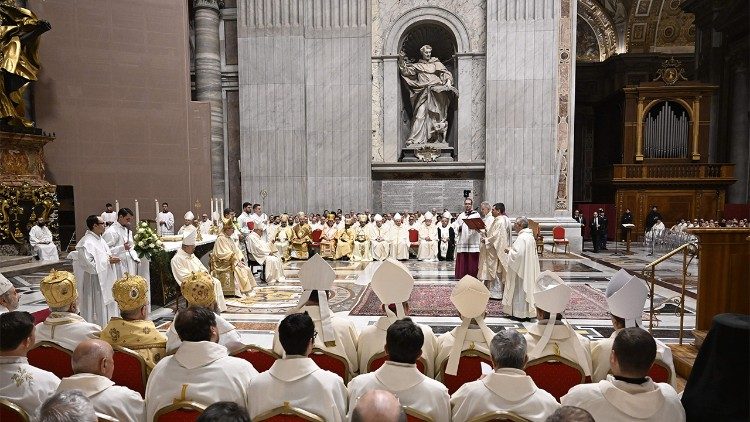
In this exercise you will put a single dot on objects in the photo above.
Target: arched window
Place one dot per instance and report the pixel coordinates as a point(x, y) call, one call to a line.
point(666, 130)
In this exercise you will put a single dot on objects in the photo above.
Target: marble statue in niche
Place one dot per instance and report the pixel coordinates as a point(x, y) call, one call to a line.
point(430, 91)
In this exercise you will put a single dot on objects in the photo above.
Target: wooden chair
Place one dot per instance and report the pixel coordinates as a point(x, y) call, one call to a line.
point(261, 272)
point(555, 374)
point(287, 413)
point(11, 412)
point(51, 357)
point(130, 369)
point(261, 359)
point(181, 411)
point(379, 359)
point(469, 369)
point(660, 372)
point(413, 415)
point(101, 417)
point(558, 238)
point(498, 416)
point(534, 226)
point(331, 362)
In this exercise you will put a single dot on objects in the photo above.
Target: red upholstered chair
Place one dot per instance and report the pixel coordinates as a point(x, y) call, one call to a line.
point(498, 416)
point(558, 238)
point(660, 372)
point(379, 359)
point(51, 357)
point(130, 370)
point(287, 413)
point(260, 358)
point(469, 369)
point(182, 411)
point(555, 374)
point(11, 412)
point(330, 362)
point(414, 237)
point(413, 415)
point(316, 235)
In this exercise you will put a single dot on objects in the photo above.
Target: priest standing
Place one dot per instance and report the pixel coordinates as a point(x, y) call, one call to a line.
point(119, 238)
point(494, 241)
point(165, 221)
point(522, 264)
point(467, 244)
point(40, 238)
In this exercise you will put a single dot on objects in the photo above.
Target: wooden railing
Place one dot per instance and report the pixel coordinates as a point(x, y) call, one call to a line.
point(672, 171)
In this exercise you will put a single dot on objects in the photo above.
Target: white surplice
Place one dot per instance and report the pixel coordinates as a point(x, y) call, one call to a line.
point(467, 240)
point(107, 398)
point(411, 387)
point(66, 329)
point(399, 239)
point(344, 330)
point(261, 253)
point(506, 389)
point(25, 385)
point(41, 240)
point(522, 264)
point(380, 246)
point(474, 341)
point(205, 227)
point(97, 276)
point(166, 229)
point(491, 269)
point(562, 342)
point(183, 264)
point(300, 382)
point(372, 341)
point(242, 221)
point(229, 337)
point(109, 217)
point(116, 236)
point(612, 400)
point(601, 349)
point(428, 249)
point(202, 372)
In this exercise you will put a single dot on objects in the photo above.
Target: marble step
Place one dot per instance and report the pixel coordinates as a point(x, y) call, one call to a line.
point(33, 267)
point(8, 261)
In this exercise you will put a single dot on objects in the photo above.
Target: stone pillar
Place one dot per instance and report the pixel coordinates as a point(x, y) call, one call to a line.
point(739, 147)
point(465, 89)
point(208, 83)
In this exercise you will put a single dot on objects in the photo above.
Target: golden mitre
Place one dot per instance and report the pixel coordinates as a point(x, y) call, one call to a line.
point(130, 292)
point(59, 289)
point(227, 222)
point(198, 289)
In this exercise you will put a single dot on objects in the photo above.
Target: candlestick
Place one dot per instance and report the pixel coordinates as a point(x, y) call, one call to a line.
point(137, 212)
point(117, 206)
point(156, 202)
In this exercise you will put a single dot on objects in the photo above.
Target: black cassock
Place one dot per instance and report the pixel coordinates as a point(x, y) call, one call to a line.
point(451, 244)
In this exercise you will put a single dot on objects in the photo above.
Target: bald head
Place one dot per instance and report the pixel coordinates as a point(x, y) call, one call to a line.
point(380, 406)
point(93, 356)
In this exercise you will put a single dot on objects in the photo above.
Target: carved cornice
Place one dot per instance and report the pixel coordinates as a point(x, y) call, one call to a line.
point(595, 16)
point(208, 4)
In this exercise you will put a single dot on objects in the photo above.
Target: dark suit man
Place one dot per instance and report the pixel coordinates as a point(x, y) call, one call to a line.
point(595, 226)
point(603, 223)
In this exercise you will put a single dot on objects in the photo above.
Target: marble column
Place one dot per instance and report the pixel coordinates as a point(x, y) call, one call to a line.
point(739, 147)
point(208, 83)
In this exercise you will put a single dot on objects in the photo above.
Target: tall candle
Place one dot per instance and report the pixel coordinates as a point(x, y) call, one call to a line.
point(156, 203)
point(211, 214)
point(221, 209)
point(117, 206)
point(137, 212)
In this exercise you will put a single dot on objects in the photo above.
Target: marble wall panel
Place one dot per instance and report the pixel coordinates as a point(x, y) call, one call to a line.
point(423, 195)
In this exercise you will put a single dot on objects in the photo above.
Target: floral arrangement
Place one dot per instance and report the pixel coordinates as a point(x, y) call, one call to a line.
point(147, 243)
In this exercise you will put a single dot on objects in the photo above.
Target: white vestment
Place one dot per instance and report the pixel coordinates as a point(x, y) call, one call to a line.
point(281, 241)
point(522, 264)
point(25, 385)
point(97, 276)
point(109, 217)
point(166, 229)
point(229, 337)
point(488, 260)
point(474, 341)
point(506, 389)
point(428, 249)
point(601, 349)
point(184, 264)
point(261, 253)
point(491, 269)
point(186, 229)
point(242, 221)
point(467, 240)
point(361, 250)
point(612, 400)
point(41, 240)
point(112, 400)
point(372, 341)
point(445, 237)
point(116, 236)
point(300, 382)
point(205, 227)
point(411, 387)
point(344, 330)
point(202, 372)
point(263, 218)
point(399, 239)
point(380, 248)
point(65, 329)
point(561, 343)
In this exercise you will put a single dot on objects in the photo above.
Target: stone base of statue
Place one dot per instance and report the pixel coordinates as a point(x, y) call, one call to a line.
point(433, 152)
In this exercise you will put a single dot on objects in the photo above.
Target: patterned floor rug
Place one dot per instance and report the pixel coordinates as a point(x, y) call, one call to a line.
point(282, 297)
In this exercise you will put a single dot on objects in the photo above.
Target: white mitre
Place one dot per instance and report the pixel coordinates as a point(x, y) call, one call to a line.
point(317, 274)
point(397, 217)
point(447, 215)
point(626, 295)
point(428, 215)
point(189, 239)
point(259, 225)
point(5, 285)
point(189, 216)
point(392, 283)
point(378, 217)
point(470, 297)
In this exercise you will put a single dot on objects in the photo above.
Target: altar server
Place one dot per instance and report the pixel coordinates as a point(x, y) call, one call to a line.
point(40, 238)
point(184, 263)
point(260, 251)
point(257, 217)
point(95, 272)
point(522, 264)
point(467, 243)
point(119, 238)
point(428, 241)
point(165, 221)
point(362, 245)
point(399, 238)
point(109, 215)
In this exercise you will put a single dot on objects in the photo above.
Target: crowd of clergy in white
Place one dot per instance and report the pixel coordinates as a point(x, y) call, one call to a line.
point(194, 360)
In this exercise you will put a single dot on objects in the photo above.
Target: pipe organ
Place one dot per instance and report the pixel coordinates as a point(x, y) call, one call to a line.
point(666, 130)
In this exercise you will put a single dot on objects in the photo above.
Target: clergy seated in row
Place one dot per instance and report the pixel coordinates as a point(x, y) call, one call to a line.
point(296, 379)
point(184, 263)
point(522, 265)
point(399, 235)
point(198, 290)
point(628, 393)
point(550, 335)
point(338, 335)
point(188, 225)
point(507, 388)
point(380, 245)
point(63, 326)
point(119, 238)
point(228, 266)
point(447, 238)
point(428, 241)
point(40, 238)
point(8, 296)
point(300, 238)
point(626, 296)
point(201, 370)
point(281, 237)
point(378, 406)
point(400, 376)
point(345, 240)
point(261, 252)
point(93, 365)
point(362, 247)
point(328, 237)
point(133, 329)
point(20, 383)
point(470, 297)
point(393, 284)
